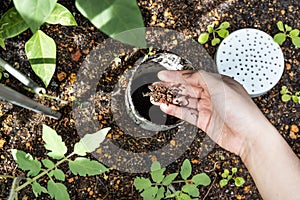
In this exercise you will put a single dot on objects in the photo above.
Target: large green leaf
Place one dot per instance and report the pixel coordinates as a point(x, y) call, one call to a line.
point(150, 193)
point(54, 143)
point(169, 179)
point(38, 189)
point(59, 174)
point(201, 179)
point(90, 142)
point(34, 12)
point(26, 162)
point(141, 183)
point(158, 175)
point(12, 24)
point(114, 17)
point(296, 41)
point(41, 52)
point(191, 189)
point(57, 190)
point(280, 38)
point(84, 166)
point(186, 169)
point(61, 15)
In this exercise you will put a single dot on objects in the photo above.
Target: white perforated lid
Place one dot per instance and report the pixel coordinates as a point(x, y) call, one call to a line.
point(252, 58)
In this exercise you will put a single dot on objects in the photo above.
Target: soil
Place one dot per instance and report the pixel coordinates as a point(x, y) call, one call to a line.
point(21, 129)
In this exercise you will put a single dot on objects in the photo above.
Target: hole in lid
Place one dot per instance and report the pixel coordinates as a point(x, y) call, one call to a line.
point(267, 78)
point(229, 53)
point(267, 47)
point(223, 52)
point(261, 85)
point(221, 60)
point(264, 74)
point(239, 41)
point(229, 68)
point(235, 67)
point(238, 73)
point(227, 59)
point(243, 45)
point(252, 72)
point(224, 70)
point(252, 78)
point(252, 85)
point(248, 38)
point(233, 60)
point(246, 74)
point(252, 90)
point(243, 80)
point(260, 79)
point(236, 54)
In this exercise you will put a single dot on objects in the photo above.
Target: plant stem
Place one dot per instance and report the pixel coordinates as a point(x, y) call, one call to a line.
point(7, 176)
point(43, 173)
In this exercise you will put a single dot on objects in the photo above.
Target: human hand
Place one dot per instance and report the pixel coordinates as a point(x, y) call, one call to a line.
point(216, 104)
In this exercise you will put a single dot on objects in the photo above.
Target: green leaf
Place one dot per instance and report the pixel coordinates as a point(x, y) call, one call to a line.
point(26, 162)
point(38, 189)
point(155, 166)
point(2, 44)
point(287, 27)
point(0, 75)
point(283, 90)
point(294, 33)
point(54, 143)
point(150, 193)
point(158, 175)
point(296, 41)
point(286, 97)
point(169, 194)
point(210, 28)
point(90, 142)
point(234, 170)
point(224, 25)
point(119, 19)
point(141, 183)
point(239, 181)
point(169, 179)
point(12, 24)
point(280, 38)
point(223, 182)
point(59, 174)
point(223, 33)
point(61, 15)
point(183, 196)
point(57, 190)
point(295, 99)
point(41, 52)
point(203, 38)
point(84, 166)
point(215, 41)
point(48, 163)
point(186, 169)
point(191, 189)
point(201, 179)
point(34, 12)
point(280, 26)
point(160, 193)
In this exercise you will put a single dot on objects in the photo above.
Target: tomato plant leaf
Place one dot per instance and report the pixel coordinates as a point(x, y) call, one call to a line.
point(223, 33)
point(191, 189)
point(54, 143)
point(61, 15)
point(57, 190)
point(294, 33)
point(160, 193)
point(201, 179)
point(84, 166)
point(90, 142)
point(59, 174)
point(286, 97)
point(141, 183)
point(215, 41)
point(26, 162)
point(48, 163)
point(169, 179)
point(223, 182)
point(158, 175)
point(186, 169)
point(239, 181)
point(149, 193)
point(38, 189)
point(41, 52)
point(34, 12)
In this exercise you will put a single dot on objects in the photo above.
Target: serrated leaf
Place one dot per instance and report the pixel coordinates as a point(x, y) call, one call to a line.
point(210, 28)
point(155, 166)
point(294, 33)
point(280, 38)
point(186, 169)
point(34, 12)
point(150, 193)
point(84, 166)
point(201, 179)
point(169, 179)
point(280, 26)
point(59, 174)
point(26, 162)
point(215, 41)
point(41, 52)
point(160, 193)
point(224, 25)
point(239, 181)
point(61, 15)
point(296, 41)
point(12, 24)
point(48, 163)
point(119, 19)
point(223, 33)
point(287, 27)
point(141, 183)
point(286, 97)
point(191, 189)
point(90, 142)
point(38, 189)
point(203, 38)
point(57, 190)
point(295, 99)
point(158, 175)
point(223, 182)
point(54, 143)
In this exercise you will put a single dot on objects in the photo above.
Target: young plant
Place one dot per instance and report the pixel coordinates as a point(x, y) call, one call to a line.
point(286, 95)
point(221, 31)
point(40, 48)
point(287, 31)
point(79, 166)
point(3, 73)
point(161, 186)
point(238, 181)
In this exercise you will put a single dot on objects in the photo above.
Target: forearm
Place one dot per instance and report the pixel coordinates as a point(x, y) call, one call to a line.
point(273, 165)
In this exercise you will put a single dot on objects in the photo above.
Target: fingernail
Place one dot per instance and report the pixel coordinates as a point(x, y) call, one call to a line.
point(163, 107)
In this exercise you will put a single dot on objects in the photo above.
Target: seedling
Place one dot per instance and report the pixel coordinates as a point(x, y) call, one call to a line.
point(3, 73)
point(238, 181)
point(287, 31)
point(286, 95)
point(161, 186)
point(221, 31)
point(79, 166)
point(150, 53)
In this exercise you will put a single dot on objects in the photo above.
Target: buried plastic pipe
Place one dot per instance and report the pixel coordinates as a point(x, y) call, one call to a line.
point(25, 102)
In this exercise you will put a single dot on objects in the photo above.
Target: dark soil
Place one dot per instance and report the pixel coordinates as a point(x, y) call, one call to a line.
point(21, 129)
